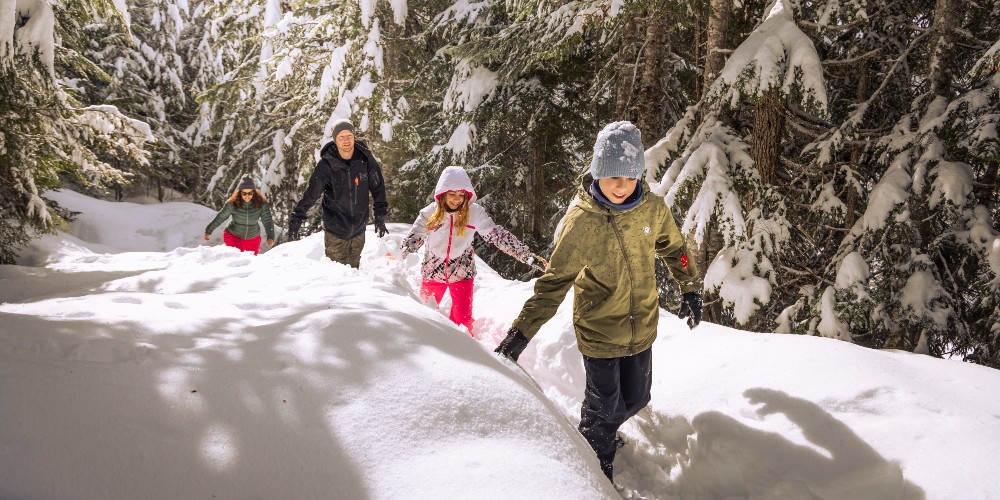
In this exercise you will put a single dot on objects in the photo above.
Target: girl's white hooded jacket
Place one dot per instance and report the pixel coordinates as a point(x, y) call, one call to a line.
point(449, 255)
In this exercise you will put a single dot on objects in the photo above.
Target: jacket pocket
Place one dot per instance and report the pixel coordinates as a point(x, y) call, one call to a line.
point(589, 292)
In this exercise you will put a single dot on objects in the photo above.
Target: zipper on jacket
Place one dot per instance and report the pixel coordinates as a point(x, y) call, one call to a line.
point(354, 195)
point(631, 281)
point(246, 216)
point(447, 253)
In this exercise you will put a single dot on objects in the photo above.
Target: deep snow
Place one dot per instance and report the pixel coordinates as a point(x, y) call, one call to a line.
point(135, 363)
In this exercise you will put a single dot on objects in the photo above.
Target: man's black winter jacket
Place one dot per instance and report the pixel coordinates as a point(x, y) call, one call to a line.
point(344, 186)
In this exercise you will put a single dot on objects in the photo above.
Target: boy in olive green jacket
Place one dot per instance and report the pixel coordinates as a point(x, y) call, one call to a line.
point(606, 250)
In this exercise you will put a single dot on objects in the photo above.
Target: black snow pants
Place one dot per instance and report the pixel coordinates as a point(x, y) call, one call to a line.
point(617, 388)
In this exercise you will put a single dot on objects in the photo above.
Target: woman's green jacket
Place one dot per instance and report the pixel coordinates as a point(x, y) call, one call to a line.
point(245, 224)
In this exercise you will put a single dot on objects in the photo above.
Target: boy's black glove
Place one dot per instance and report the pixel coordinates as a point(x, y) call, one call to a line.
point(380, 229)
point(293, 229)
point(691, 306)
point(513, 344)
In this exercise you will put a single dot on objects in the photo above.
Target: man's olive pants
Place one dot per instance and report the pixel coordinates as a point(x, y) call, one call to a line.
point(344, 251)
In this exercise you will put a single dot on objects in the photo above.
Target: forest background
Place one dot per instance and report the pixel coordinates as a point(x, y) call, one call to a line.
point(835, 162)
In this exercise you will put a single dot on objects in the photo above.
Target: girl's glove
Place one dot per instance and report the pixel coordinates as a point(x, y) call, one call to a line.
point(513, 344)
point(691, 306)
point(538, 263)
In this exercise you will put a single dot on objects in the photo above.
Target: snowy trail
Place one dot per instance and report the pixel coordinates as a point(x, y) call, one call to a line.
point(200, 371)
point(204, 372)
point(835, 463)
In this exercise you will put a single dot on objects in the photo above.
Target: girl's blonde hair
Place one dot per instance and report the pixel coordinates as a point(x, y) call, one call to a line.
point(461, 216)
point(237, 200)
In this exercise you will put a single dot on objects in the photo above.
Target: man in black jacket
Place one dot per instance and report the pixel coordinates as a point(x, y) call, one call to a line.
point(344, 176)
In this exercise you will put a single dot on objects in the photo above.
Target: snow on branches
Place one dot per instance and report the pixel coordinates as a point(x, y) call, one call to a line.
point(36, 33)
point(777, 55)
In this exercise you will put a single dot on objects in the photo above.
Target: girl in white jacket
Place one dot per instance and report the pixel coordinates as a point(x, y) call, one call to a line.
point(447, 226)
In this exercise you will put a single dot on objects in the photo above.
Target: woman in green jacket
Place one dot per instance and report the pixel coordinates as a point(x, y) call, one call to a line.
point(606, 251)
point(248, 208)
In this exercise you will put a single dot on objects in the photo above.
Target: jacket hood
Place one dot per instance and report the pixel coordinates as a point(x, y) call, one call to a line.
point(330, 149)
point(454, 179)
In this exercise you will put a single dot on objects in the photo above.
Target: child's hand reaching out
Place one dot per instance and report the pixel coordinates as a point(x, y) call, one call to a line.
point(538, 263)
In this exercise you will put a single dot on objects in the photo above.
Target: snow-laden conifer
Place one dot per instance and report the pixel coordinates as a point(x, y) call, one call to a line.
point(51, 125)
point(711, 175)
point(291, 70)
point(909, 171)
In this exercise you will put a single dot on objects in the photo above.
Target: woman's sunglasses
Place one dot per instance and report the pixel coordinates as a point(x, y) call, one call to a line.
point(246, 193)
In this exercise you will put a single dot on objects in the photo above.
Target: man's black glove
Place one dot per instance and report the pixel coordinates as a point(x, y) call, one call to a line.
point(691, 306)
point(513, 344)
point(293, 229)
point(380, 229)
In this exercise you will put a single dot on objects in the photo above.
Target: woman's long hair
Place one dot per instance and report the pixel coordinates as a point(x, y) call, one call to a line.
point(461, 216)
point(237, 200)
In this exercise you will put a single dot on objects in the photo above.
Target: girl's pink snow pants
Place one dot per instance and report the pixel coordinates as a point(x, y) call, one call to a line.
point(461, 299)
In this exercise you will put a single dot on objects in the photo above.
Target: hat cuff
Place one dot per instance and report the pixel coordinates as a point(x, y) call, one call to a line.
point(610, 172)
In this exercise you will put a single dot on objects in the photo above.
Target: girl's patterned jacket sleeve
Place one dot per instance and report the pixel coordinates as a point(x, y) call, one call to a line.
point(501, 237)
point(418, 233)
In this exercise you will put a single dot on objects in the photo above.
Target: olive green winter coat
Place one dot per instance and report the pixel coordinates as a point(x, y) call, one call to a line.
point(245, 223)
point(608, 257)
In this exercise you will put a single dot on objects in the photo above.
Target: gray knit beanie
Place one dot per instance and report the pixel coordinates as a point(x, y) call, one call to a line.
point(618, 152)
point(247, 183)
point(341, 125)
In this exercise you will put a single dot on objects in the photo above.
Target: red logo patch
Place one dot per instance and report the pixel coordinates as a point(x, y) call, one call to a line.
point(684, 260)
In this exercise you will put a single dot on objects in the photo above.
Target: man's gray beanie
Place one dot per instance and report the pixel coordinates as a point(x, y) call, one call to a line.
point(618, 152)
point(341, 125)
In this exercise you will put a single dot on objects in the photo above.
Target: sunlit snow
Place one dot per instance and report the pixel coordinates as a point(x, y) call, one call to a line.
point(135, 363)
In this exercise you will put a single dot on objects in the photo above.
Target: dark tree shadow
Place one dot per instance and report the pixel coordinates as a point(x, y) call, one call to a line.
point(716, 456)
point(237, 404)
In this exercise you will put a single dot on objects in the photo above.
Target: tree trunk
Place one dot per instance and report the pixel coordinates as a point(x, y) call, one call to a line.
point(196, 175)
point(710, 247)
point(535, 185)
point(699, 50)
point(716, 43)
point(650, 119)
point(853, 197)
point(625, 87)
point(768, 125)
point(946, 19)
point(939, 76)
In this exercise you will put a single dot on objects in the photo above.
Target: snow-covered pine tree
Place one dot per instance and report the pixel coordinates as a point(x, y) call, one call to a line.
point(150, 80)
point(917, 269)
point(291, 69)
point(711, 175)
point(51, 129)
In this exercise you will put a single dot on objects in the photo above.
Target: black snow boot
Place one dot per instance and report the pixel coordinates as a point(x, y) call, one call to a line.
point(607, 467)
point(619, 441)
